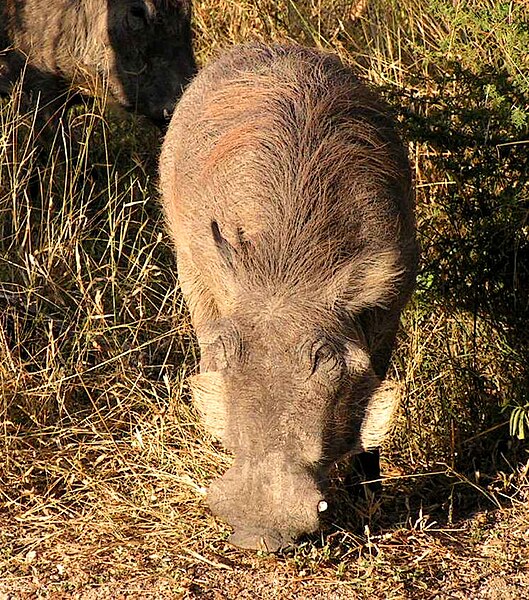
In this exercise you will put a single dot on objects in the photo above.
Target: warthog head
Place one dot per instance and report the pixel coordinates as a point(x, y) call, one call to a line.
point(288, 391)
point(152, 54)
point(137, 51)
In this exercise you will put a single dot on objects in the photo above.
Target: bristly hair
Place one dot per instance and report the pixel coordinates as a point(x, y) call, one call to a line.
point(303, 184)
point(323, 154)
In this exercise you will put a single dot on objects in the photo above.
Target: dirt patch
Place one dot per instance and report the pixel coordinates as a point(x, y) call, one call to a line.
point(486, 557)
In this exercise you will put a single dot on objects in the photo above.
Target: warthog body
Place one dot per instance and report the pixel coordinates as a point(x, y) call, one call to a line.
point(287, 192)
point(137, 51)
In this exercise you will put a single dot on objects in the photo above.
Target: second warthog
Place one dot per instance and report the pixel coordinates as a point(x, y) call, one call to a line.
point(287, 192)
point(138, 52)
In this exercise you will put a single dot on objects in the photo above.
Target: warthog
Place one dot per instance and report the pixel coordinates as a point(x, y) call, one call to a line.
point(137, 50)
point(287, 192)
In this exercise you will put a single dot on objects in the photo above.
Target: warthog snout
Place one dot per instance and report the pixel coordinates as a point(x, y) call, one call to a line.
point(269, 502)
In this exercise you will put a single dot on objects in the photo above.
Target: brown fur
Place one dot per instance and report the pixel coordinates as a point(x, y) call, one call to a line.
point(137, 51)
point(287, 192)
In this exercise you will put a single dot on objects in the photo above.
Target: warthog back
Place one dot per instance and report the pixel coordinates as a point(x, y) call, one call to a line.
point(287, 193)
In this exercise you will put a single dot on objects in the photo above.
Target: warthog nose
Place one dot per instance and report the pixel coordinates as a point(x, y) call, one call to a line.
point(267, 513)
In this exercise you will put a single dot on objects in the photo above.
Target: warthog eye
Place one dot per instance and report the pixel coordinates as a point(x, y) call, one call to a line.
point(138, 16)
point(324, 357)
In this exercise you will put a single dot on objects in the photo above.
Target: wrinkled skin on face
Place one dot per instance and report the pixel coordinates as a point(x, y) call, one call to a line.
point(138, 52)
point(302, 400)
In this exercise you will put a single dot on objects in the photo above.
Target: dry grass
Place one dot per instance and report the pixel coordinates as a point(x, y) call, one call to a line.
point(103, 463)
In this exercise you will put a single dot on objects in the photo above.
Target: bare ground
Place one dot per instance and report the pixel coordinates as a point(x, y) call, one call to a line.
point(483, 557)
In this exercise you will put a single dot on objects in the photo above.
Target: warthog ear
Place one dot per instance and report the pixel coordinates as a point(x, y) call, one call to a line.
point(223, 246)
point(209, 398)
point(367, 282)
point(378, 415)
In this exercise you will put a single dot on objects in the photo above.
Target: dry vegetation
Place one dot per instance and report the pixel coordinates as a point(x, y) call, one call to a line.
point(102, 461)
